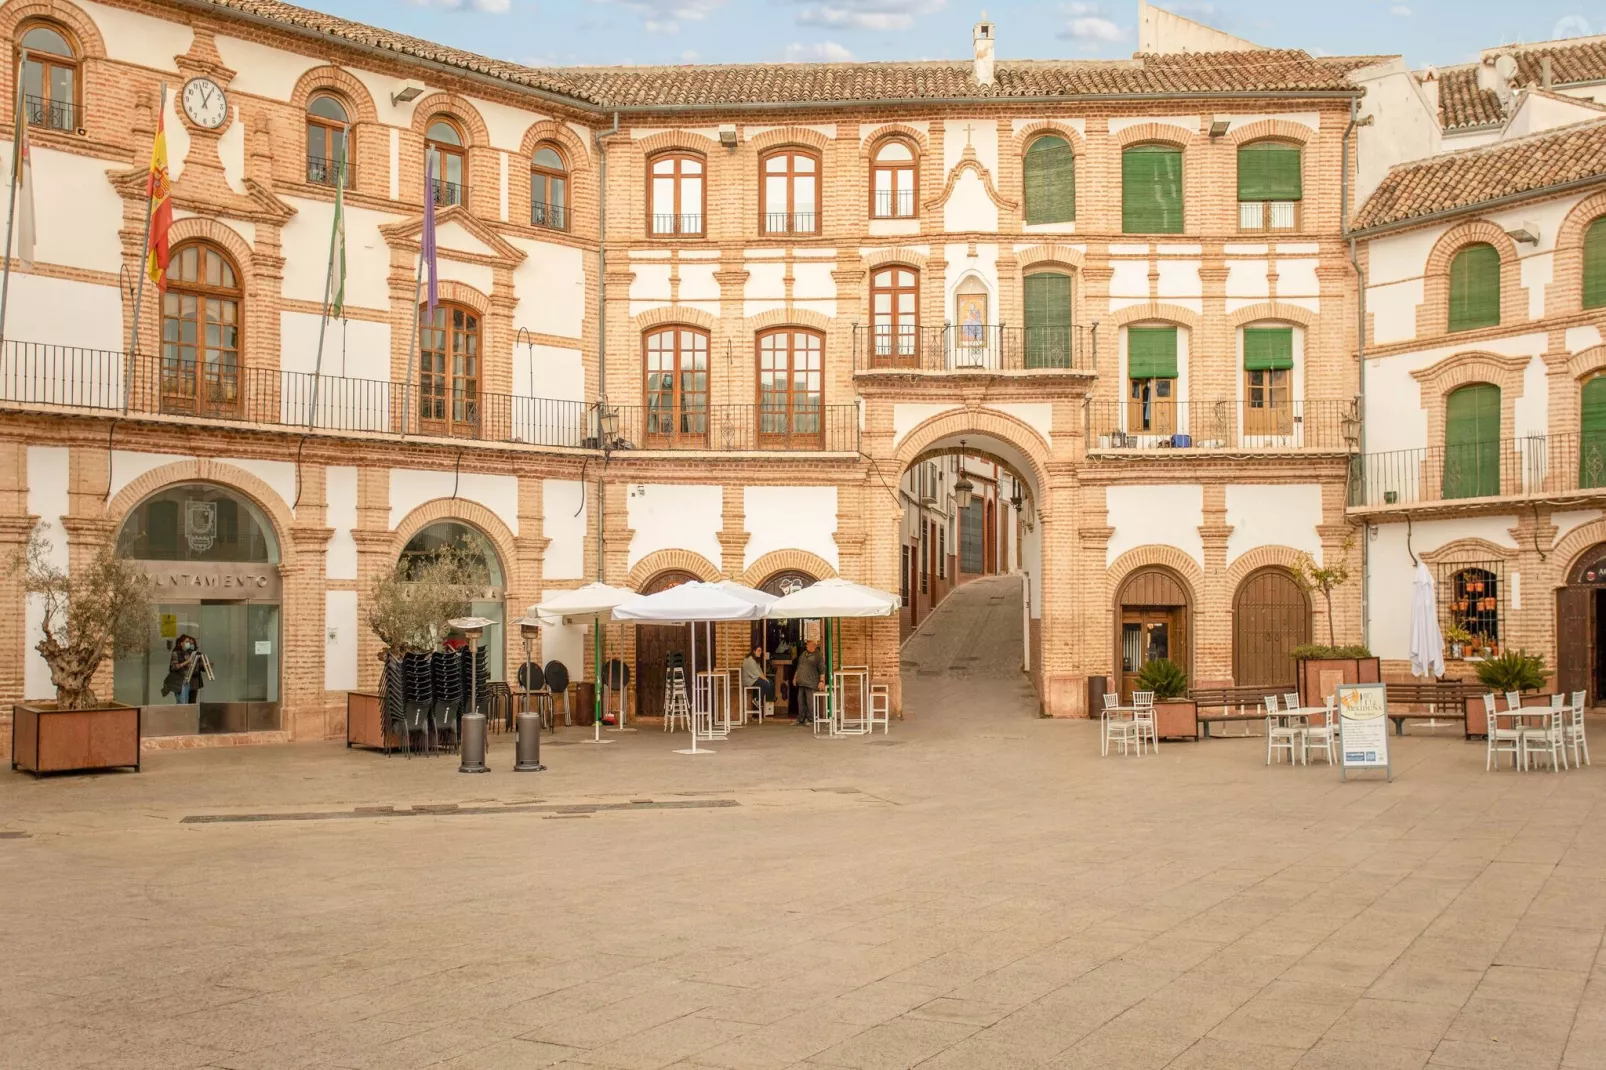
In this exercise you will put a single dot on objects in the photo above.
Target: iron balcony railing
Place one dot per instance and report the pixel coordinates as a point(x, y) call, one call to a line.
point(326, 172)
point(894, 204)
point(831, 428)
point(550, 216)
point(54, 114)
point(689, 223)
point(791, 223)
point(1504, 468)
point(1232, 424)
point(449, 193)
point(974, 347)
point(68, 378)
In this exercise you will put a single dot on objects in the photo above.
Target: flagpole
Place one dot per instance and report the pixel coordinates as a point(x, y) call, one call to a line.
point(328, 283)
point(11, 212)
point(144, 265)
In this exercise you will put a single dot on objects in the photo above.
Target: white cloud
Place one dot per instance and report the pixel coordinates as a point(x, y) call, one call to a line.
point(1088, 26)
point(1570, 26)
point(1080, 8)
point(1401, 10)
point(659, 16)
point(818, 51)
point(691, 55)
point(489, 7)
point(868, 14)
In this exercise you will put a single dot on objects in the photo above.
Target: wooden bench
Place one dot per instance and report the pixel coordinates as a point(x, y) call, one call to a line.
point(1228, 705)
point(1445, 701)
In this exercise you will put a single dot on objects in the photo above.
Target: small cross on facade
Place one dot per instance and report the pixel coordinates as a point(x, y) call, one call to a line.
point(967, 134)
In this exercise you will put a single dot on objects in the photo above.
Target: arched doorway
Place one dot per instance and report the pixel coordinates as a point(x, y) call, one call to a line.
point(1580, 609)
point(492, 601)
point(213, 560)
point(1270, 617)
point(783, 638)
point(1153, 620)
point(654, 644)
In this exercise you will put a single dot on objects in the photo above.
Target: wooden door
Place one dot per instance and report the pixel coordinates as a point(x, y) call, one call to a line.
point(654, 644)
point(1268, 402)
point(1148, 633)
point(1271, 616)
point(1577, 667)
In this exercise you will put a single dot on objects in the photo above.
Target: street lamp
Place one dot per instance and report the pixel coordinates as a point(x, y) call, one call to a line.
point(607, 424)
point(963, 488)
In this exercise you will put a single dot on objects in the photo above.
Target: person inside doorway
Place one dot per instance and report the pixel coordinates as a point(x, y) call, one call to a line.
point(806, 680)
point(753, 675)
point(185, 675)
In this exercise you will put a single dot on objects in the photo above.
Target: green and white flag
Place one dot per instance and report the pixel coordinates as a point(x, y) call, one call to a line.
point(337, 259)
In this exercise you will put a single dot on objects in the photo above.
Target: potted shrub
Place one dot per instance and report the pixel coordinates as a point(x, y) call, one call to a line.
point(1175, 715)
point(1515, 670)
point(1321, 667)
point(97, 611)
point(1458, 639)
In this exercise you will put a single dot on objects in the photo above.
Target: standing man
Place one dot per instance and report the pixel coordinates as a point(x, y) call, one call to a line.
point(806, 680)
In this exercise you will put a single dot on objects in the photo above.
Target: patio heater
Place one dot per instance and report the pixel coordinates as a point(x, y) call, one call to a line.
point(471, 726)
point(528, 746)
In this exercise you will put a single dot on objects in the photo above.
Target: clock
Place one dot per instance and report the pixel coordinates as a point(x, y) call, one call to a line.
point(205, 103)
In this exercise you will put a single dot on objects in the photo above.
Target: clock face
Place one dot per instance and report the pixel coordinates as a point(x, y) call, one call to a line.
point(205, 103)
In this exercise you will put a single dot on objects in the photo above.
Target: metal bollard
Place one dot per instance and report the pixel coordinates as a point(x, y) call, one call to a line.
point(529, 743)
point(471, 742)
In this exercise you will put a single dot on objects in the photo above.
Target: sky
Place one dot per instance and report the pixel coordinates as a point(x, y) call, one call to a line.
point(541, 32)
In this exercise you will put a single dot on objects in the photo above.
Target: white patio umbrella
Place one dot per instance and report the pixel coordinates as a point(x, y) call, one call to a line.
point(593, 600)
point(691, 603)
point(834, 599)
point(1427, 642)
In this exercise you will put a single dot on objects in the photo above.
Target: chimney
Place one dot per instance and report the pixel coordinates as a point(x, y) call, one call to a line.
point(1430, 89)
point(1544, 72)
point(983, 38)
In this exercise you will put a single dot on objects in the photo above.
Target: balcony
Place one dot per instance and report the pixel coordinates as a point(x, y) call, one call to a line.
point(326, 172)
point(449, 193)
point(1232, 425)
point(893, 204)
point(549, 216)
point(974, 348)
point(686, 224)
point(791, 223)
point(738, 428)
point(50, 378)
point(63, 115)
point(1529, 466)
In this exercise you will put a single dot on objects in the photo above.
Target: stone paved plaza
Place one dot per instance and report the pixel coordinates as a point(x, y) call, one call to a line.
point(978, 889)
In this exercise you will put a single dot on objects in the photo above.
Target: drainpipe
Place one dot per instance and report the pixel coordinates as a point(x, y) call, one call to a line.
point(602, 330)
point(1360, 356)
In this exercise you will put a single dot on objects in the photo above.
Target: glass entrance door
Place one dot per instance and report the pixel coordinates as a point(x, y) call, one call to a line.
point(241, 643)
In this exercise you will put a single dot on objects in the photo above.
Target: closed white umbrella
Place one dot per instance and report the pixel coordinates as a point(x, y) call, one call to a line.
point(1427, 641)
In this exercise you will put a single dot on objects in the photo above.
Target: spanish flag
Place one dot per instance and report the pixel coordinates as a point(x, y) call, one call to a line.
point(158, 189)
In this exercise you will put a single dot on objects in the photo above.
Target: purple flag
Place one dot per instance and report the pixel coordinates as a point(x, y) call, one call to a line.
point(426, 241)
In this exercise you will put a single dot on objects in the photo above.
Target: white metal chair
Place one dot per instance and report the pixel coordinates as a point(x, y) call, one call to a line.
point(1323, 737)
point(1573, 730)
point(1290, 700)
point(1546, 739)
point(1513, 700)
point(881, 708)
point(1280, 737)
point(1499, 740)
point(1118, 726)
point(677, 707)
point(1143, 719)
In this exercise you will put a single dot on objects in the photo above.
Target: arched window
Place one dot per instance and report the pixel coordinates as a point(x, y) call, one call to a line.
point(892, 180)
point(446, 160)
point(51, 92)
point(895, 317)
point(481, 555)
point(328, 141)
point(1472, 441)
point(1151, 190)
point(1269, 186)
point(1268, 380)
point(791, 192)
point(201, 332)
point(1592, 439)
point(791, 365)
point(1048, 320)
point(1050, 180)
point(198, 522)
point(549, 188)
point(1475, 288)
point(1595, 264)
point(1151, 375)
point(677, 387)
point(675, 195)
point(449, 369)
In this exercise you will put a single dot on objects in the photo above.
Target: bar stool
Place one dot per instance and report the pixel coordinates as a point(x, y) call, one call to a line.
point(824, 713)
point(760, 705)
point(880, 708)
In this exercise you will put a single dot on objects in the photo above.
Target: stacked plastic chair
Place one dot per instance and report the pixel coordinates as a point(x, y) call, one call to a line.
point(451, 690)
point(395, 693)
point(419, 692)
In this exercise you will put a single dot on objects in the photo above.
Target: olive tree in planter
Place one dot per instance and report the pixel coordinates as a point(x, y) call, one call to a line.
point(1175, 714)
point(100, 610)
point(1320, 668)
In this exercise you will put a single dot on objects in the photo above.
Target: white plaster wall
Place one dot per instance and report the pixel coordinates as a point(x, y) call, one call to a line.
point(79, 230)
point(278, 475)
point(766, 286)
point(1574, 518)
point(1404, 125)
point(1391, 572)
point(452, 237)
point(827, 129)
point(353, 349)
point(1393, 310)
point(178, 139)
point(1398, 257)
point(789, 518)
point(565, 508)
point(697, 283)
point(813, 282)
point(1247, 282)
point(1179, 284)
point(1532, 409)
point(1537, 272)
point(1296, 282)
point(504, 125)
point(889, 228)
point(261, 70)
point(305, 241)
point(139, 39)
point(979, 134)
point(1129, 283)
point(340, 640)
point(1311, 119)
point(1162, 514)
point(340, 513)
point(906, 416)
point(1079, 125)
point(564, 642)
point(381, 86)
point(1272, 514)
point(551, 287)
point(1031, 548)
point(479, 276)
point(412, 487)
point(674, 516)
point(62, 312)
point(1394, 416)
point(47, 479)
point(542, 371)
point(1190, 123)
point(1582, 338)
point(870, 131)
point(969, 207)
point(649, 287)
point(231, 152)
point(128, 466)
point(1038, 415)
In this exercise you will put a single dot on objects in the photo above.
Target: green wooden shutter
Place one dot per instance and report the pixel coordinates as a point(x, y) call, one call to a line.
point(1268, 171)
point(1595, 264)
point(1050, 181)
point(1151, 352)
point(1472, 442)
point(1151, 190)
point(1475, 288)
point(1268, 348)
point(1048, 320)
point(1592, 441)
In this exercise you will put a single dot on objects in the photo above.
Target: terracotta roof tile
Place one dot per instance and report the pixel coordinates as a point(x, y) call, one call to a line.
point(1475, 176)
point(1462, 104)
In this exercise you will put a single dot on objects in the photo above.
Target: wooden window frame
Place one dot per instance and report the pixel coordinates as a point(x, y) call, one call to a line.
point(444, 150)
point(894, 168)
point(1026, 203)
point(545, 175)
point(74, 64)
point(203, 393)
point(789, 212)
point(1485, 453)
point(1450, 298)
point(462, 411)
point(329, 130)
point(1168, 147)
point(895, 357)
point(1265, 206)
point(678, 178)
point(678, 411)
point(790, 437)
point(1584, 272)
